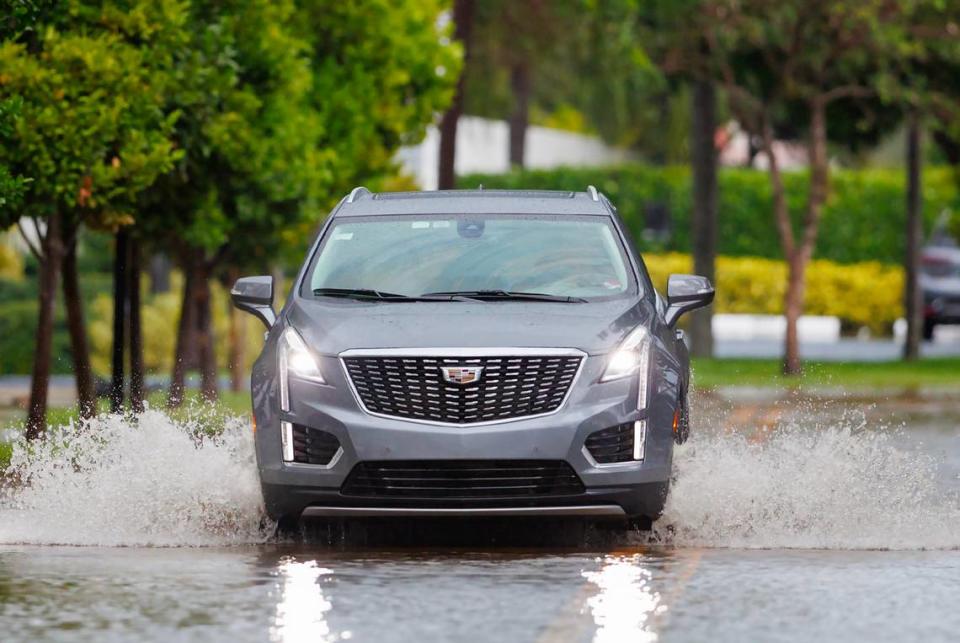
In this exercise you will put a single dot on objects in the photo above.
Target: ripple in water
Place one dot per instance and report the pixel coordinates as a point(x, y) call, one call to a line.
point(152, 481)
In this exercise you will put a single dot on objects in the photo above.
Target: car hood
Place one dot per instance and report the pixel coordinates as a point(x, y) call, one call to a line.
point(333, 326)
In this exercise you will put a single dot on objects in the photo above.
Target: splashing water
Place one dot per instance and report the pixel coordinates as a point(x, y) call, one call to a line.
point(152, 481)
point(830, 488)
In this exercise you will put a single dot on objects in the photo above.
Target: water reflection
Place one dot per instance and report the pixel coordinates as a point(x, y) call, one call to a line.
point(302, 608)
point(625, 604)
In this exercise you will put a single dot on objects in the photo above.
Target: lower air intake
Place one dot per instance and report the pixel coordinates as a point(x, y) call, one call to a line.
point(462, 479)
point(611, 445)
point(313, 446)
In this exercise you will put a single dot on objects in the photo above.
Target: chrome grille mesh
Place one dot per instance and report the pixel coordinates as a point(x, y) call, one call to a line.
point(413, 387)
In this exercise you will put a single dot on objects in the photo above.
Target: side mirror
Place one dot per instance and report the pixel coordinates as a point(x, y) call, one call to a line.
point(255, 296)
point(686, 293)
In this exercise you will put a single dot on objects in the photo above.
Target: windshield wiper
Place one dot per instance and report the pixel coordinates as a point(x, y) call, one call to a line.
point(506, 295)
point(379, 295)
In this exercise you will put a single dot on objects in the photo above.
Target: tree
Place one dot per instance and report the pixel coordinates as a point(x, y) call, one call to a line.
point(91, 137)
point(799, 58)
point(704, 216)
point(446, 171)
point(510, 42)
point(285, 106)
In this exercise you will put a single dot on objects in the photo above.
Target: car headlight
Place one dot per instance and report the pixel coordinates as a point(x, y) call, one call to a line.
point(631, 357)
point(294, 358)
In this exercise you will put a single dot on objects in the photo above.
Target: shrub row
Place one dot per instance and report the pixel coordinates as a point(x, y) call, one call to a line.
point(18, 331)
point(861, 294)
point(863, 219)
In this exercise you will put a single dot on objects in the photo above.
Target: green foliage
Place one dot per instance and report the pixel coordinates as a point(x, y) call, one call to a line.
point(589, 69)
point(18, 330)
point(89, 133)
point(283, 107)
point(863, 218)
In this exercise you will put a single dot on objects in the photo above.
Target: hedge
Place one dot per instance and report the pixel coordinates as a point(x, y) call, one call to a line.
point(18, 332)
point(863, 219)
point(861, 294)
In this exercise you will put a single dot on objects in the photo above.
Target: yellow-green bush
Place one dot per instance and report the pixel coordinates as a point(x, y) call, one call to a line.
point(11, 261)
point(860, 294)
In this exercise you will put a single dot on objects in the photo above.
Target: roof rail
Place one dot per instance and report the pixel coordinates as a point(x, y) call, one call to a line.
point(593, 193)
point(356, 193)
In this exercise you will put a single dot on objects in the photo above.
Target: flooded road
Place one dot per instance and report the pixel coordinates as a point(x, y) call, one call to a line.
point(303, 593)
point(790, 519)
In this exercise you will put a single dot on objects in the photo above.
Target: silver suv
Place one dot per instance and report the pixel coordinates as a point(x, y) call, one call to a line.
point(470, 353)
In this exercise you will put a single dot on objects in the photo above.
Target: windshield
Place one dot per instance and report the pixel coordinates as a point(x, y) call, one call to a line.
point(578, 257)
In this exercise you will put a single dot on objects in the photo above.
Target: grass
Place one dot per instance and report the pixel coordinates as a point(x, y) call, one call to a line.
point(6, 452)
point(927, 373)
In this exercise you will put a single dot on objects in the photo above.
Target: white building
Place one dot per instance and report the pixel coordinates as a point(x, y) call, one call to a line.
point(483, 146)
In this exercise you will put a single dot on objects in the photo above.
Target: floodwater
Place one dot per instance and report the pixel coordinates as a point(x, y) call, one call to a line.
point(790, 519)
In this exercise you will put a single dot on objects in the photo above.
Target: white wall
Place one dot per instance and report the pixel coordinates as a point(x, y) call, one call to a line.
point(483, 146)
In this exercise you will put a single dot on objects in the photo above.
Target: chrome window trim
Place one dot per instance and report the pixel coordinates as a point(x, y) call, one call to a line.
point(441, 352)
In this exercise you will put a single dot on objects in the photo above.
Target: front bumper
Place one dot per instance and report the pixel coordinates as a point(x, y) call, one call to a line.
point(632, 488)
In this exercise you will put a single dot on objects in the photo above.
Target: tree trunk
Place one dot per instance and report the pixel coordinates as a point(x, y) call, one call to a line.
point(704, 220)
point(121, 254)
point(446, 170)
point(520, 85)
point(913, 304)
point(40, 381)
point(83, 373)
point(802, 252)
point(792, 309)
point(184, 333)
point(238, 343)
point(159, 269)
point(135, 328)
point(206, 348)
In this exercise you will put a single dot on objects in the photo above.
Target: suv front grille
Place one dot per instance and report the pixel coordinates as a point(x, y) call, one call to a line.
point(614, 444)
point(413, 387)
point(462, 479)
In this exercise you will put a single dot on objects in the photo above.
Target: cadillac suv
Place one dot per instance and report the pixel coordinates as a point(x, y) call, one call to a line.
point(470, 353)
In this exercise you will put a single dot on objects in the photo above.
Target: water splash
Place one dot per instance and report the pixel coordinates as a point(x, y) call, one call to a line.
point(152, 481)
point(155, 481)
point(836, 487)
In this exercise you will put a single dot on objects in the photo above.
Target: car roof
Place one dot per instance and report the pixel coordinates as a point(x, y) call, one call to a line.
point(362, 202)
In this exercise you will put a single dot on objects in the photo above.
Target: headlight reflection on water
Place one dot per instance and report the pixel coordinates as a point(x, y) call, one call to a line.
point(302, 608)
point(625, 604)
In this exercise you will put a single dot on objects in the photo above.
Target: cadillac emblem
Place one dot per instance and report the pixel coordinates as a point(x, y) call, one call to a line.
point(461, 374)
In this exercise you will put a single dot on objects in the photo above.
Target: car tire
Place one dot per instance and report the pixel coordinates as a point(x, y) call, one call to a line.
point(928, 326)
